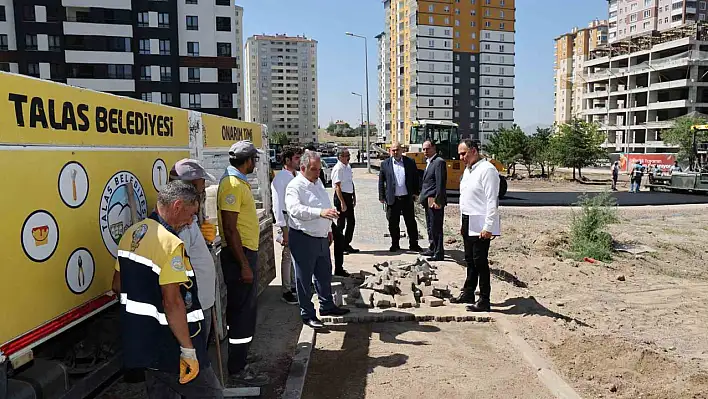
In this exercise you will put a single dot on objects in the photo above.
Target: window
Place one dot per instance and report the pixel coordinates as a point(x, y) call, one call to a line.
point(193, 75)
point(165, 98)
point(195, 100)
point(3, 17)
point(487, 24)
point(431, 114)
point(702, 5)
point(223, 2)
point(146, 96)
point(446, 101)
point(54, 43)
point(5, 66)
point(191, 2)
point(33, 69)
point(120, 71)
point(193, 49)
point(501, 103)
point(165, 74)
point(501, 48)
point(502, 25)
point(223, 49)
point(143, 19)
point(226, 100)
point(647, 13)
point(223, 24)
point(3, 42)
point(144, 46)
point(118, 44)
point(163, 20)
point(501, 14)
point(192, 22)
point(164, 47)
point(28, 13)
point(31, 42)
point(431, 102)
point(431, 20)
point(501, 82)
point(145, 73)
point(224, 75)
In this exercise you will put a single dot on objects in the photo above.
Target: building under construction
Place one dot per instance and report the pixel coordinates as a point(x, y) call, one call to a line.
point(637, 86)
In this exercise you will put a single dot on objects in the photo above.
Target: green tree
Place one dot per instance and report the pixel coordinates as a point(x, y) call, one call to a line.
point(681, 135)
point(577, 145)
point(331, 128)
point(509, 146)
point(279, 138)
point(541, 152)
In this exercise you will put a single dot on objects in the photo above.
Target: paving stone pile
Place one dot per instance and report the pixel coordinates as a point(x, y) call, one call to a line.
point(398, 284)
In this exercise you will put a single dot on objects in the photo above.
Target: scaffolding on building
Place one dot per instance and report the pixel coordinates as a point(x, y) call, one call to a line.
point(646, 41)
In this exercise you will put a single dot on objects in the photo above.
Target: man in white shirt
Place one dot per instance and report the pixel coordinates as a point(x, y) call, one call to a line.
point(310, 216)
point(479, 206)
point(344, 197)
point(291, 163)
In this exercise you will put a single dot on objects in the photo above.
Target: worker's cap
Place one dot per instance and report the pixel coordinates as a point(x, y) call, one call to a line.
point(244, 149)
point(188, 170)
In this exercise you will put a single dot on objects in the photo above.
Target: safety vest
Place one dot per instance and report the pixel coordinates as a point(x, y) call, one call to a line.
point(150, 255)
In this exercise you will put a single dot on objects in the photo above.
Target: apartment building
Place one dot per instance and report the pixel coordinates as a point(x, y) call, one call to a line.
point(451, 60)
point(281, 85)
point(185, 53)
point(571, 51)
point(636, 87)
point(384, 78)
point(629, 18)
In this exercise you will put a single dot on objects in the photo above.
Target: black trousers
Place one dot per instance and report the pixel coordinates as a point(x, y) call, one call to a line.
point(402, 206)
point(241, 299)
point(477, 259)
point(434, 220)
point(346, 220)
point(339, 247)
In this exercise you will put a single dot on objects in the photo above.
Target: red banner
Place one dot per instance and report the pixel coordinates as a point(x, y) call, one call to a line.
point(664, 161)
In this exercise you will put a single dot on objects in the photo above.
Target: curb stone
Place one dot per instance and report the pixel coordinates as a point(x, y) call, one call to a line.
point(298, 368)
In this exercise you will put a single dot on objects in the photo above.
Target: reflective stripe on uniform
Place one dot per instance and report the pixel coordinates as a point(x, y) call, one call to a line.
point(146, 309)
point(190, 273)
point(140, 259)
point(237, 341)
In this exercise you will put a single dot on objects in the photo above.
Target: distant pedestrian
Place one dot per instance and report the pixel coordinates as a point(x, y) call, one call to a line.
point(358, 156)
point(479, 206)
point(615, 175)
point(310, 216)
point(637, 173)
point(676, 167)
point(433, 197)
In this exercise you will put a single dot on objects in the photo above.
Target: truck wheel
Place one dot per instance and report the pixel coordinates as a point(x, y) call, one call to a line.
point(502, 186)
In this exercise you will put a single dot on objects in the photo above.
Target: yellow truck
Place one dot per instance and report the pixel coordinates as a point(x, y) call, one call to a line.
point(446, 136)
point(79, 167)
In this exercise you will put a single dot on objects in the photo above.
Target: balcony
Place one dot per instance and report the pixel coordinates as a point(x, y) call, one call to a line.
point(596, 111)
point(596, 94)
point(669, 104)
point(659, 124)
point(670, 84)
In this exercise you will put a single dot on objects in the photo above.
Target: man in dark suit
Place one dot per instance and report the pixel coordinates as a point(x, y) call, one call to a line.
point(399, 184)
point(433, 197)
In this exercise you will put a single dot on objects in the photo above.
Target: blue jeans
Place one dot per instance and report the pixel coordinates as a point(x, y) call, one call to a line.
point(312, 258)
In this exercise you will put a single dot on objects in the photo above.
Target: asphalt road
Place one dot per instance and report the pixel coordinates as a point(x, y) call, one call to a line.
point(623, 198)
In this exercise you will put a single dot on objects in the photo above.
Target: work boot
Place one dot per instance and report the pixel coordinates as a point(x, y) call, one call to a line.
point(415, 247)
point(290, 298)
point(351, 249)
point(463, 298)
point(394, 248)
point(250, 378)
point(341, 273)
point(482, 305)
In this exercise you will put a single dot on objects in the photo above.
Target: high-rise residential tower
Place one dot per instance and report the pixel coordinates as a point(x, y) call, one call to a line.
point(571, 51)
point(451, 60)
point(185, 53)
point(281, 85)
point(629, 18)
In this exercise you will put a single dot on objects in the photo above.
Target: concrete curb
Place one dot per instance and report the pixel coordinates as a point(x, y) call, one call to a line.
point(298, 369)
point(558, 387)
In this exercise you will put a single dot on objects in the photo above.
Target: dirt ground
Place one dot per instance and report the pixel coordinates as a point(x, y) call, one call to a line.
point(412, 360)
point(597, 180)
point(632, 328)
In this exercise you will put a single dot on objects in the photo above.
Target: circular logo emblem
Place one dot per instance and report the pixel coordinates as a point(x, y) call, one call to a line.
point(73, 184)
point(40, 236)
point(118, 211)
point(79, 271)
point(159, 174)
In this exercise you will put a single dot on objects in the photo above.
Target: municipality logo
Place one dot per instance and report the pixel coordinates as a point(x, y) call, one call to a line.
point(116, 213)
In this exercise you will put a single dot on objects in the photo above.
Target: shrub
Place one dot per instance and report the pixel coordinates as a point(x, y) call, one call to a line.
point(588, 237)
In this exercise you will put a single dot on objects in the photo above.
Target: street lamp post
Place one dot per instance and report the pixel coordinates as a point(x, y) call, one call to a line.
point(361, 107)
point(368, 118)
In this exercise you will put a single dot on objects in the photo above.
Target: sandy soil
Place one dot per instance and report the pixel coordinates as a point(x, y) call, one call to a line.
point(562, 180)
point(411, 360)
point(644, 336)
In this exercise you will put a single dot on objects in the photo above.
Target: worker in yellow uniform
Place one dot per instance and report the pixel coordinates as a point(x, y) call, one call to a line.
point(162, 323)
point(240, 230)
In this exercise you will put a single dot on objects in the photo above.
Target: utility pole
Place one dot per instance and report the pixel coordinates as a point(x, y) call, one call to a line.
point(368, 118)
point(361, 107)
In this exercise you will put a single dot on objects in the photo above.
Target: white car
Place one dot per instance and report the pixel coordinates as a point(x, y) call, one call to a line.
point(326, 172)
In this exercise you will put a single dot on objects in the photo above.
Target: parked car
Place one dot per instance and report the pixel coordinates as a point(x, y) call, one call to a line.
point(326, 173)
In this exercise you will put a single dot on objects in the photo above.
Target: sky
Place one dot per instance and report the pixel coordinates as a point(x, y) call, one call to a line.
point(341, 63)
